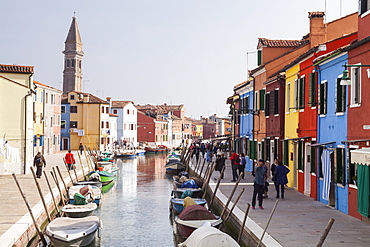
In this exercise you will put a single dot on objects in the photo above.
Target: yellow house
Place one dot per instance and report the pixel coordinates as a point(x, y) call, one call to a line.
point(88, 120)
point(199, 131)
point(16, 126)
point(291, 122)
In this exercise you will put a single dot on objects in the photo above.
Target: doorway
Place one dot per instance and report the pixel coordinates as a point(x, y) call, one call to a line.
point(65, 144)
point(307, 169)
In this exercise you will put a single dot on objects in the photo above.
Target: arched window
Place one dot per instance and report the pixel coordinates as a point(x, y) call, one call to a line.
point(67, 62)
point(73, 63)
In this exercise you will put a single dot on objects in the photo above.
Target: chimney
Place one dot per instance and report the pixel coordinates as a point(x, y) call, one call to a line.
point(317, 28)
point(109, 98)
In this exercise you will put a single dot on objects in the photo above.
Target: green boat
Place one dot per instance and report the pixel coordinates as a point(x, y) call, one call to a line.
point(105, 177)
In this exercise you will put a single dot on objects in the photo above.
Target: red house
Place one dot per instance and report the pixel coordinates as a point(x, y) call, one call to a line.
point(145, 128)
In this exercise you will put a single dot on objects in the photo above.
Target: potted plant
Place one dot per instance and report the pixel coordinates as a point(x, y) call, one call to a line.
point(354, 178)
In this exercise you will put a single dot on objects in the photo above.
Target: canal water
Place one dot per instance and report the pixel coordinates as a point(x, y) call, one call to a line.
point(135, 211)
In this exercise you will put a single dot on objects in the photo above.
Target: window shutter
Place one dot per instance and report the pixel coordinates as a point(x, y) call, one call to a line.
point(325, 97)
point(301, 93)
point(246, 104)
point(344, 96)
point(262, 99)
point(339, 98)
point(276, 102)
point(267, 104)
point(271, 102)
point(313, 158)
point(286, 153)
point(300, 155)
point(241, 106)
point(259, 57)
point(312, 90)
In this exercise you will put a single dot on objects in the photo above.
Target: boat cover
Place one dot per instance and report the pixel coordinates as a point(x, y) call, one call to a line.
point(79, 208)
point(196, 212)
point(209, 236)
point(188, 201)
point(189, 184)
point(79, 199)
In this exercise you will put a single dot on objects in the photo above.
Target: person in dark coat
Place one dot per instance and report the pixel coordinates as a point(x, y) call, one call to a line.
point(259, 184)
point(39, 161)
point(280, 178)
point(243, 162)
point(220, 164)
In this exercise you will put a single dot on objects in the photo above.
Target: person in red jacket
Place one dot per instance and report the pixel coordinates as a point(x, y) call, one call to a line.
point(235, 162)
point(70, 160)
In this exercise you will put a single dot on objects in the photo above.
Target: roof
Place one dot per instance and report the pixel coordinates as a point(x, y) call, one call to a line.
point(120, 104)
point(329, 55)
point(280, 43)
point(92, 99)
point(113, 115)
point(16, 69)
point(237, 86)
point(316, 14)
point(357, 44)
point(74, 33)
point(44, 85)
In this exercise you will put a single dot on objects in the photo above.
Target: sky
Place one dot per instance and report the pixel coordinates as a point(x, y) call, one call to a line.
point(188, 52)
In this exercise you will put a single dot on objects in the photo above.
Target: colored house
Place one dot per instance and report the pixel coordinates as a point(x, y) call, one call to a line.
point(126, 122)
point(16, 122)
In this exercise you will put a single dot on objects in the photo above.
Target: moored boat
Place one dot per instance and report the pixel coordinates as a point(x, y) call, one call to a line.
point(92, 183)
point(174, 167)
point(194, 193)
point(193, 217)
point(67, 231)
point(177, 204)
point(105, 177)
point(206, 236)
point(96, 193)
point(79, 211)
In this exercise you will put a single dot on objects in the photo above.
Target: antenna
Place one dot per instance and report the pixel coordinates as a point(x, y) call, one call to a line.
point(74, 13)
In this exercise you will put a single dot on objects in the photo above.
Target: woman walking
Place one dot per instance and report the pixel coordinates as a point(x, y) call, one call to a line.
point(243, 162)
point(259, 184)
point(280, 178)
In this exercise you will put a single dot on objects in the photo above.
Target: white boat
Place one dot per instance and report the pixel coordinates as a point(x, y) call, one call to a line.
point(66, 231)
point(206, 235)
point(105, 165)
point(96, 193)
point(79, 211)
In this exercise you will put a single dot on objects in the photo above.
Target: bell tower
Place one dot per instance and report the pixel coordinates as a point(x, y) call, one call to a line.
point(72, 73)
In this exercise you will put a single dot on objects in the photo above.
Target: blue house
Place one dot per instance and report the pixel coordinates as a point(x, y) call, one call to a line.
point(245, 92)
point(65, 125)
point(332, 131)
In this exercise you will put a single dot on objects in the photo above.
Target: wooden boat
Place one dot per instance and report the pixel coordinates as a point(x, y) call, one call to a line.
point(79, 211)
point(194, 217)
point(105, 165)
point(76, 188)
point(197, 193)
point(140, 151)
point(174, 167)
point(206, 235)
point(92, 183)
point(105, 177)
point(177, 204)
point(107, 187)
point(66, 231)
point(150, 150)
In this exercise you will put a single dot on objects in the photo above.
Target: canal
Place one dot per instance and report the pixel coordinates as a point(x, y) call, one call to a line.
point(135, 211)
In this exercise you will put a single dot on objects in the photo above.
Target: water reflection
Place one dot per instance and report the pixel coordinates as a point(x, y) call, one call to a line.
point(135, 211)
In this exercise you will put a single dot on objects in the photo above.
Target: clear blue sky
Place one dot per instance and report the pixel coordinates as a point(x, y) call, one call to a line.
point(188, 52)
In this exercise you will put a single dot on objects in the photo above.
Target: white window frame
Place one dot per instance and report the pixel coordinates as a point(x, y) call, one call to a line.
point(353, 86)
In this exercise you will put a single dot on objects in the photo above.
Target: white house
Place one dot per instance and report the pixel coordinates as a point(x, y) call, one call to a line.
point(113, 131)
point(126, 122)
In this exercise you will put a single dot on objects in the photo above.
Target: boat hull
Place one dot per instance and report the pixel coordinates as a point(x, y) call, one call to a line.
point(178, 204)
point(186, 228)
point(174, 167)
point(197, 193)
point(79, 211)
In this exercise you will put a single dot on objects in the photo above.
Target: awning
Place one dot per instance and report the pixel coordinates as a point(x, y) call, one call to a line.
point(361, 156)
point(231, 99)
point(321, 144)
point(297, 139)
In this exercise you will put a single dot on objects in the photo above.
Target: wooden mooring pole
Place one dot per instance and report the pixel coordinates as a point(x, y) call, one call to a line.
point(52, 194)
point(268, 222)
point(30, 211)
point(326, 232)
point(61, 178)
point(231, 195)
point(217, 185)
point(40, 193)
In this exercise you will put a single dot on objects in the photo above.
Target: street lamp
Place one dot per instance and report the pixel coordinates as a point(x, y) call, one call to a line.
point(345, 77)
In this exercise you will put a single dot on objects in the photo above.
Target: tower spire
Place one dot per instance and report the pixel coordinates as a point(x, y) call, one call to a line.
point(72, 74)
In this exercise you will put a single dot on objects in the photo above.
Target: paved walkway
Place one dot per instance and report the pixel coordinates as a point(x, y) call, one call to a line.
point(12, 206)
point(298, 219)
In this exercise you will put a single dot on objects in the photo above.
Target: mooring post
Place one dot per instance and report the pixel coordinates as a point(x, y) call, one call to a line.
point(54, 175)
point(243, 224)
point(40, 193)
point(213, 166)
point(232, 208)
point(82, 167)
point(69, 173)
point(326, 232)
point(30, 211)
point(204, 162)
point(51, 192)
point(217, 185)
point(268, 222)
point(231, 195)
point(61, 178)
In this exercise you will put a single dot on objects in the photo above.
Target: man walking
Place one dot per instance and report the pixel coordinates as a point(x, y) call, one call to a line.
point(259, 184)
point(280, 178)
point(39, 161)
point(70, 160)
point(81, 148)
point(235, 161)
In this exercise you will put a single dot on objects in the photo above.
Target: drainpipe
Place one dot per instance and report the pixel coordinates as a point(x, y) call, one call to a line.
point(25, 122)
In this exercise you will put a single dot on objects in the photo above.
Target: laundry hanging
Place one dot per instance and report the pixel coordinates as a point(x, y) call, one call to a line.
point(326, 170)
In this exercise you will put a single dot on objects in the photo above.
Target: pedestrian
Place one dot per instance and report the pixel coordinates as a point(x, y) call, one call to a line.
point(243, 162)
point(203, 149)
point(208, 156)
point(220, 164)
point(259, 184)
point(70, 160)
point(197, 152)
point(235, 161)
point(81, 148)
point(280, 178)
point(39, 161)
point(266, 170)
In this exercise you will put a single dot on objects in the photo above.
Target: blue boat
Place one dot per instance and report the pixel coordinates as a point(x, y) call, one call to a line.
point(174, 167)
point(178, 204)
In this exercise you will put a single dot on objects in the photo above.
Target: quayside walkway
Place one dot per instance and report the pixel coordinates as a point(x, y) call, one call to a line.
point(298, 219)
point(15, 222)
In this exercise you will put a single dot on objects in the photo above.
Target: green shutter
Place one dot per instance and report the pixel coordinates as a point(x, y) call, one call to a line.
point(267, 104)
point(286, 152)
point(312, 90)
point(262, 99)
point(344, 96)
point(363, 177)
point(320, 163)
point(339, 165)
point(313, 159)
point(323, 98)
point(300, 155)
point(301, 93)
point(259, 57)
point(339, 98)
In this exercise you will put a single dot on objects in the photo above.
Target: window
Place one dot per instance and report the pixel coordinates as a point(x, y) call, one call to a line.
point(339, 156)
point(107, 125)
point(267, 104)
point(35, 99)
point(128, 111)
point(323, 92)
point(133, 112)
point(41, 118)
point(80, 64)
point(256, 101)
point(63, 109)
point(52, 98)
point(108, 140)
point(288, 98)
point(102, 124)
point(259, 57)
point(276, 101)
point(51, 121)
point(301, 85)
point(364, 6)
point(73, 109)
point(262, 99)
point(102, 109)
point(58, 119)
point(73, 63)
point(72, 97)
point(286, 152)
point(102, 140)
point(312, 90)
point(124, 126)
point(313, 158)
point(46, 98)
point(296, 94)
point(246, 105)
point(73, 124)
point(300, 155)
point(41, 97)
point(107, 109)
point(355, 86)
point(115, 111)
point(341, 97)
point(67, 63)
